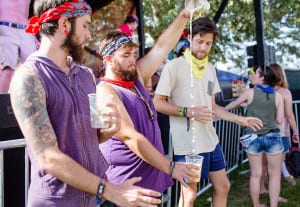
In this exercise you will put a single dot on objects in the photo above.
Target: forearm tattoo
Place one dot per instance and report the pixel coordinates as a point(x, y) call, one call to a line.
point(29, 105)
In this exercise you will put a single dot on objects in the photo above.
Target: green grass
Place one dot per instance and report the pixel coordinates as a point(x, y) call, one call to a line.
point(239, 193)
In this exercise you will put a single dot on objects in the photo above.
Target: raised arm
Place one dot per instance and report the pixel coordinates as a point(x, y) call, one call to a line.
point(165, 43)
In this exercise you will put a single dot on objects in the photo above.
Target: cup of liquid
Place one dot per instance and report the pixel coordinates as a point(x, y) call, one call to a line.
point(194, 5)
point(196, 160)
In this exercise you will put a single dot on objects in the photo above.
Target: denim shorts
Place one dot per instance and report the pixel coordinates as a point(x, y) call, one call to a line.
point(286, 142)
point(269, 143)
point(213, 161)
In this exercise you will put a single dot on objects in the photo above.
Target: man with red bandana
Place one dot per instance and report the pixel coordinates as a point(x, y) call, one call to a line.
point(49, 95)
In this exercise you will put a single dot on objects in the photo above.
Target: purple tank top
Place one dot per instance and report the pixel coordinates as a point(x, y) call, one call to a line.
point(123, 163)
point(68, 109)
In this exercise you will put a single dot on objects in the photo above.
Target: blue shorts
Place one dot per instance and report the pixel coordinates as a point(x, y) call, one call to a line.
point(286, 142)
point(213, 161)
point(269, 143)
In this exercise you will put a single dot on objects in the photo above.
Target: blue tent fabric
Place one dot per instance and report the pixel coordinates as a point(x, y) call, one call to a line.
point(228, 76)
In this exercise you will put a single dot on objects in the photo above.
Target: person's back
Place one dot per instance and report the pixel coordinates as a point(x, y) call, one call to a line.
point(263, 107)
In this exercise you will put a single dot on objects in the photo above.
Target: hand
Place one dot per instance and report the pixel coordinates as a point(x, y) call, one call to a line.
point(200, 113)
point(295, 138)
point(183, 170)
point(251, 122)
point(202, 7)
point(113, 120)
point(129, 195)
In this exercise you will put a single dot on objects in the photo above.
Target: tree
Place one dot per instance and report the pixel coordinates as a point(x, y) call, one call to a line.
point(237, 28)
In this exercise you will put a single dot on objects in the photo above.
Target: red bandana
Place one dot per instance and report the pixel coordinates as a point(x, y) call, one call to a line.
point(74, 8)
point(118, 81)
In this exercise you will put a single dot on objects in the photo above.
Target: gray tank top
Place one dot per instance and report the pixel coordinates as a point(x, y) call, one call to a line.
point(263, 107)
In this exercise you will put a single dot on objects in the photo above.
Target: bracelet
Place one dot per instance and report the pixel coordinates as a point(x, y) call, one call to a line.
point(185, 111)
point(172, 167)
point(181, 111)
point(182, 14)
point(100, 191)
point(296, 134)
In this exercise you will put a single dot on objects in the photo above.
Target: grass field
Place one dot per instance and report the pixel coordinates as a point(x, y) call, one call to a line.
point(239, 194)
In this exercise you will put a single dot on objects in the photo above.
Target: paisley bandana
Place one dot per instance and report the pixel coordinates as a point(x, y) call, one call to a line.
point(71, 9)
point(114, 45)
point(198, 66)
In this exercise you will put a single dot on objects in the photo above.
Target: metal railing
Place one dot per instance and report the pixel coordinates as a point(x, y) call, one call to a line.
point(12, 144)
point(229, 139)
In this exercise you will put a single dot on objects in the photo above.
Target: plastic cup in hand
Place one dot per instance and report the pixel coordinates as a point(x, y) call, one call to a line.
point(94, 113)
point(102, 101)
point(196, 160)
point(194, 5)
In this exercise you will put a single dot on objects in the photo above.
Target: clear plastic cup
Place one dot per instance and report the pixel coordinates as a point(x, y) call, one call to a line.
point(94, 113)
point(102, 101)
point(196, 160)
point(194, 5)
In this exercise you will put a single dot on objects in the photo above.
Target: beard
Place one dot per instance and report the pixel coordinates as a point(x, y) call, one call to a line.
point(125, 75)
point(74, 49)
point(199, 54)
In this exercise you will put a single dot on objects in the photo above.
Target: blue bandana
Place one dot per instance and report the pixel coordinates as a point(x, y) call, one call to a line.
point(265, 88)
point(114, 45)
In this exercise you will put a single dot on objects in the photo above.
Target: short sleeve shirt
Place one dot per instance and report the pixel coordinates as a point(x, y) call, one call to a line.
point(182, 89)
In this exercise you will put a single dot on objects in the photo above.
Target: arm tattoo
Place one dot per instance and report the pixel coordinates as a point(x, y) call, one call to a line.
point(29, 104)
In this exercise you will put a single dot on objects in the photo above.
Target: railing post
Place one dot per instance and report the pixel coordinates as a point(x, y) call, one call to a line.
point(1, 179)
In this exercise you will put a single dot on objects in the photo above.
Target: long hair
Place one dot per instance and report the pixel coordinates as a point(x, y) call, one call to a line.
point(278, 71)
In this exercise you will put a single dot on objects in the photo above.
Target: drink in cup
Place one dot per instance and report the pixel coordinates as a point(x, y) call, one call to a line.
point(102, 101)
point(94, 113)
point(196, 160)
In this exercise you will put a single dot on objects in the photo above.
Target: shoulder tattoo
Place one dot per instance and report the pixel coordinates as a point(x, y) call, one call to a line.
point(29, 104)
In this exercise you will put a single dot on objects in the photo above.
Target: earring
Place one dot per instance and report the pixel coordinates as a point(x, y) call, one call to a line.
point(66, 32)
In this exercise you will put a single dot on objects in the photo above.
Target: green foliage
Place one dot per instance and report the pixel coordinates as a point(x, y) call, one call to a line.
point(239, 195)
point(237, 27)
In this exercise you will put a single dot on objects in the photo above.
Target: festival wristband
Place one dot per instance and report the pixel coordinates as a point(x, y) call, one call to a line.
point(172, 166)
point(99, 193)
point(181, 111)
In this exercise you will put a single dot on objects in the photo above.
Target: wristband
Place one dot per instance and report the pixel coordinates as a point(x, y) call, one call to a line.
point(172, 166)
point(99, 193)
point(181, 112)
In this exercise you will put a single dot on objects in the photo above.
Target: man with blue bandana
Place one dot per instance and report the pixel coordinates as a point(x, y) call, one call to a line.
point(136, 149)
point(49, 95)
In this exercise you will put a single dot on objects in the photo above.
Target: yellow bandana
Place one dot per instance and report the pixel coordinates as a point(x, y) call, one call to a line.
point(198, 66)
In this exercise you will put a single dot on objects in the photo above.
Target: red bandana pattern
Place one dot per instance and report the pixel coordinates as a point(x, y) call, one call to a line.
point(71, 9)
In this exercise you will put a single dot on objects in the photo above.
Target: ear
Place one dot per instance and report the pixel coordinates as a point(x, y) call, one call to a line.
point(107, 58)
point(63, 25)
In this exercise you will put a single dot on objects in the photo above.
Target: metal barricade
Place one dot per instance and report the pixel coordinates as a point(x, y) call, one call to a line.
point(228, 133)
point(12, 144)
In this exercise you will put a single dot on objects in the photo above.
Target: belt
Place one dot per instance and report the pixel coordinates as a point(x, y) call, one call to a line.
point(14, 25)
